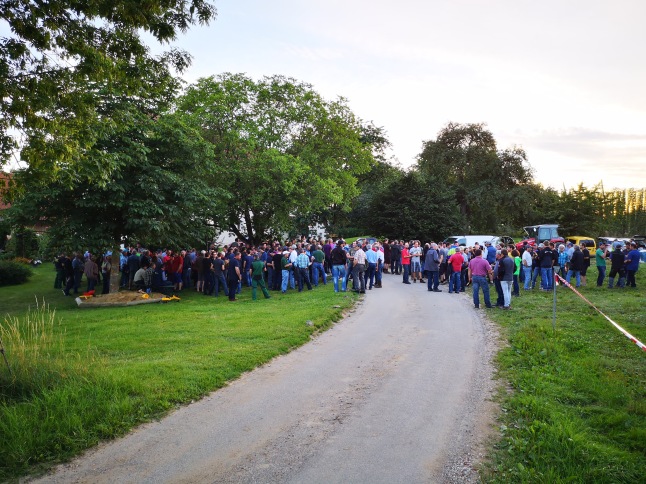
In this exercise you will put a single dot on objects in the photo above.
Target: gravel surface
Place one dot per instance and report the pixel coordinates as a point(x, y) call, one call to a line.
point(399, 391)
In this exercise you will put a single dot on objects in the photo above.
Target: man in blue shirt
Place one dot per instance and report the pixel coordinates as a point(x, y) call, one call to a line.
point(491, 253)
point(371, 257)
point(632, 265)
point(303, 266)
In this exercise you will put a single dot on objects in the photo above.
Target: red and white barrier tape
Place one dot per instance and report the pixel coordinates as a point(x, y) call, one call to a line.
point(623, 331)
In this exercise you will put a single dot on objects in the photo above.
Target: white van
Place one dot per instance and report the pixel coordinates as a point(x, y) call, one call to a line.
point(469, 240)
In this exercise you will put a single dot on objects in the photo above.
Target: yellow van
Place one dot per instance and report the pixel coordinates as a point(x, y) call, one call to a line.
point(580, 239)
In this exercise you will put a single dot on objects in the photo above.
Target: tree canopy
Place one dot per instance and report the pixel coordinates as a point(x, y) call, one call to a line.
point(152, 195)
point(60, 53)
point(465, 157)
point(280, 150)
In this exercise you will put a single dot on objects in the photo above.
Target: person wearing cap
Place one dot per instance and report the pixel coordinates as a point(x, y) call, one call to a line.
point(456, 259)
point(490, 253)
point(286, 269)
point(600, 258)
point(302, 273)
point(479, 271)
point(339, 260)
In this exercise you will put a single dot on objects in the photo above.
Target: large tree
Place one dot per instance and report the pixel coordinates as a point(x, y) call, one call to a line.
point(59, 51)
point(412, 205)
point(466, 158)
point(280, 150)
point(156, 193)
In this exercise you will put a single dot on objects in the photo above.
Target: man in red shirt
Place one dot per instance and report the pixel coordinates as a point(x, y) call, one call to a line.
point(176, 264)
point(455, 261)
point(406, 263)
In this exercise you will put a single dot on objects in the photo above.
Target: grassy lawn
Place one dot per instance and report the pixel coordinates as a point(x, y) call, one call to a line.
point(82, 375)
point(575, 410)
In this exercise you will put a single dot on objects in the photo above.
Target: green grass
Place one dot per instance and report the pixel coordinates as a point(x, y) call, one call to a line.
point(105, 370)
point(575, 409)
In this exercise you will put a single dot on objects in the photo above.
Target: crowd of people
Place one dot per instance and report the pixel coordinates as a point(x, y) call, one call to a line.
point(302, 263)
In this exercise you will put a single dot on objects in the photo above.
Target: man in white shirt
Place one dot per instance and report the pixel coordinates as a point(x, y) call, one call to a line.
point(415, 262)
point(526, 262)
point(358, 271)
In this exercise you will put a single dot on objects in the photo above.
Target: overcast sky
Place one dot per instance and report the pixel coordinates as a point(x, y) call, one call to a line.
point(565, 80)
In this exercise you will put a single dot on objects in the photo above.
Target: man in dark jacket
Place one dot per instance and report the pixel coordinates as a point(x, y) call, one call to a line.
point(576, 266)
point(617, 267)
point(546, 261)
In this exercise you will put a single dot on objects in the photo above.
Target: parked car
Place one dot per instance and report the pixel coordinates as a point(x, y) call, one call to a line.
point(611, 240)
point(366, 240)
point(468, 240)
point(504, 240)
point(580, 239)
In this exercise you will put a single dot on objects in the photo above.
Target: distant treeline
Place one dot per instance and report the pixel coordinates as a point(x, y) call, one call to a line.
point(462, 183)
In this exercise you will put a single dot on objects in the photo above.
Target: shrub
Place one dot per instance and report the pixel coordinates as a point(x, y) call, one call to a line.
point(13, 273)
point(23, 243)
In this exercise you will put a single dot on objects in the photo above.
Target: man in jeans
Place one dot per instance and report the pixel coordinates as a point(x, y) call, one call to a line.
point(508, 265)
point(527, 266)
point(479, 270)
point(371, 268)
point(546, 261)
point(358, 271)
point(303, 262)
point(455, 261)
point(432, 268)
point(600, 257)
point(339, 259)
point(406, 263)
point(317, 266)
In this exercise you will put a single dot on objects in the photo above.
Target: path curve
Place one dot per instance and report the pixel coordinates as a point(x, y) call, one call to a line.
point(399, 391)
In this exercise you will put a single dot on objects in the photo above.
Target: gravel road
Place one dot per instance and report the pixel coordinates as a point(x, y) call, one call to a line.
point(397, 392)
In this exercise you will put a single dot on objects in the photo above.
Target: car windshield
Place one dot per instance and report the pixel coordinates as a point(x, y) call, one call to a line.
point(543, 232)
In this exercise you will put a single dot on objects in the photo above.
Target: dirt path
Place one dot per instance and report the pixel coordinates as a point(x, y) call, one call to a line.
point(397, 392)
